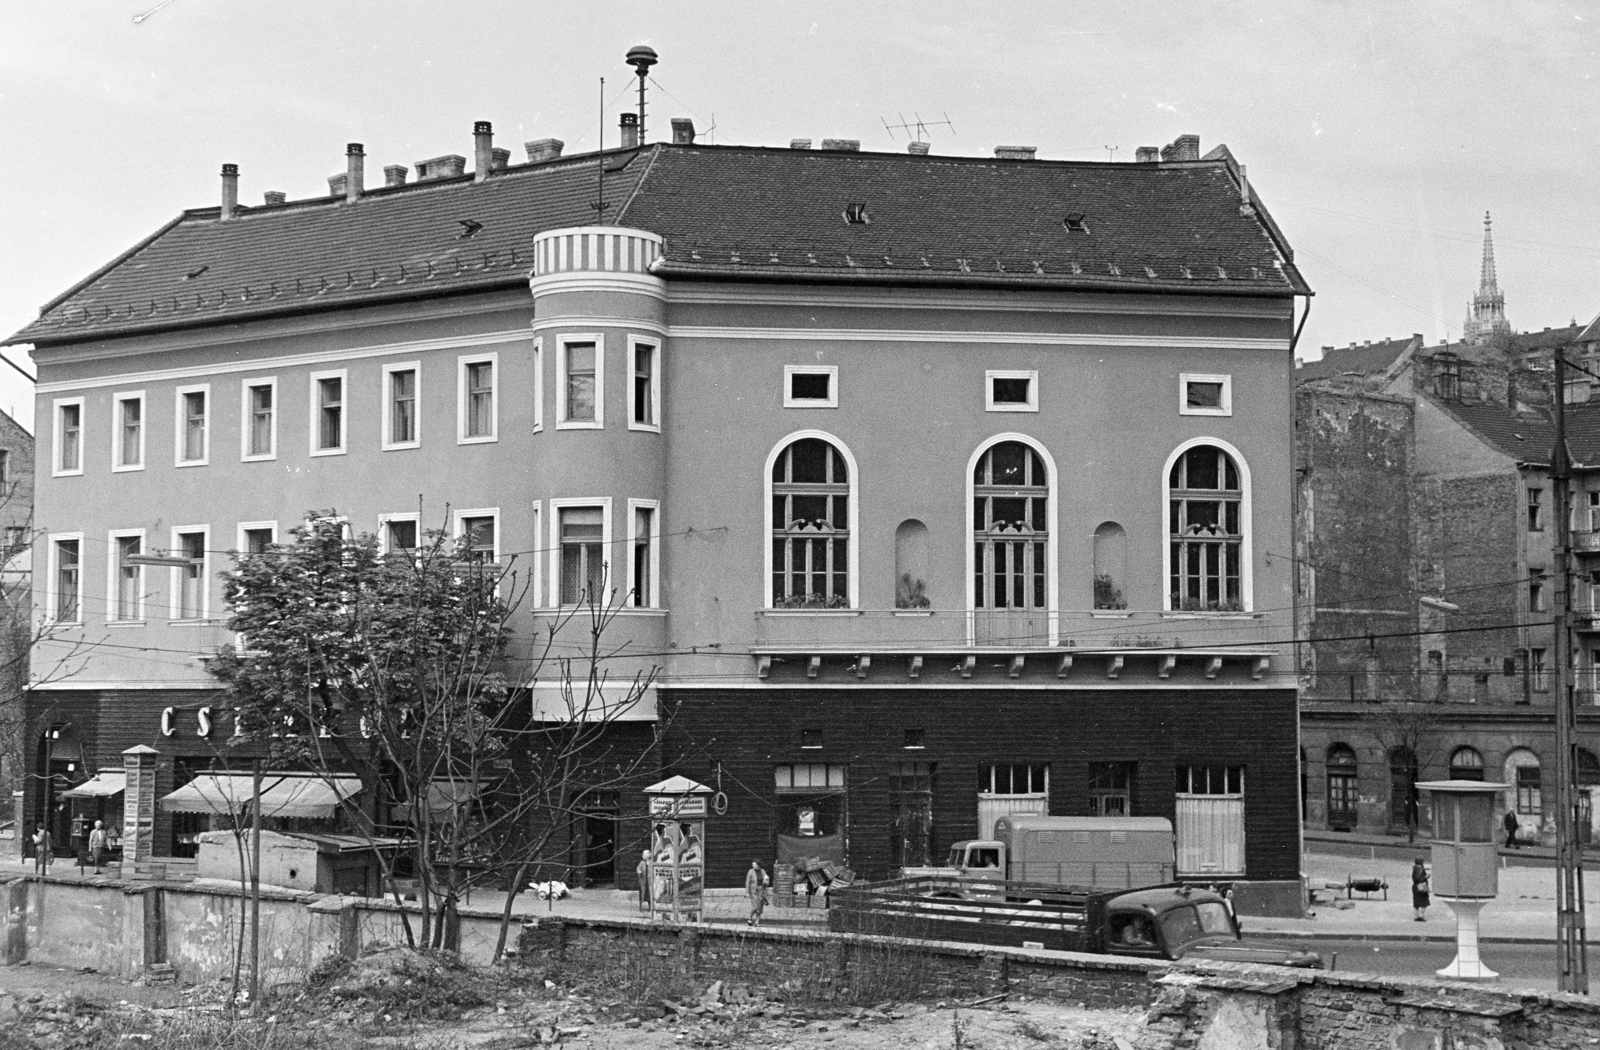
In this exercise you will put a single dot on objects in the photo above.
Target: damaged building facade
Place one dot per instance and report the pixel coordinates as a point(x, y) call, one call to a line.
point(933, 488)
point(1426, 555)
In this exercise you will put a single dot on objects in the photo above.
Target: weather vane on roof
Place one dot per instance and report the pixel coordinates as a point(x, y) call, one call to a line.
point(916, 129)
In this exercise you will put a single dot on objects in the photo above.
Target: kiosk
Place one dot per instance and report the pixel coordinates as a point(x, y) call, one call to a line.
point(677, 864)
point(1466, 863)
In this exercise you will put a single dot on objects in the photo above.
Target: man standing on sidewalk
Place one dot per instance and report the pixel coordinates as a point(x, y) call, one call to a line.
point(1510, 824)
point(755, 887)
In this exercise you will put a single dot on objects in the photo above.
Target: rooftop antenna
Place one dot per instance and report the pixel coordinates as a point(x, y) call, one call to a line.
point(599, 205)
point(641, 58)
point(1111, 152)
point(710, 135)
point(916, 128)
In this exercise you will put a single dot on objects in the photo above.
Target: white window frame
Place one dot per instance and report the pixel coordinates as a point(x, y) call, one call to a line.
point(117, 401)
point(599, 420)
point(538, 388)
point(247, 417)
point(463, 395)
point(1246, 525)
point(315, 403)
point(251, 526)
point(1031, 375)
point(1185, 378)
point(1052, 513)
point(56, 469)
point(460, 517)
point(556, 506)
point(54, 568)
point(831, 401)
point(854, 568)
point(654, 583)
point(175, 575)
point(415, 519)
point(114, 578)
point(180, 431)
point(654, 427)
point(389, 444)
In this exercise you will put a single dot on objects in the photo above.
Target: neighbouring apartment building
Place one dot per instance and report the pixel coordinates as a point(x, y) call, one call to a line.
point(16, 597)
point(934, 488)
point(1427, 558)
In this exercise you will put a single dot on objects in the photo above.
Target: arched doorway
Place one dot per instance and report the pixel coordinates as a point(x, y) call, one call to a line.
point(58, 764)
point(1342, 780)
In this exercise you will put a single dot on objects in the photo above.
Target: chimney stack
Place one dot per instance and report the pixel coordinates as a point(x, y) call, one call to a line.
point(630, 130)
point(482, 150)
point(1184, 147)
point(272, 197)
point(355, 166)
point(1245, 207)
point(450, 166)
point(844, 145)
point(799, 143)
point(230, 190)
point(1147, 155)
point(499, 158)
point(395, 175)
point(543, 149)
point(682, 131)
point(1015, 152)
point(918, 148)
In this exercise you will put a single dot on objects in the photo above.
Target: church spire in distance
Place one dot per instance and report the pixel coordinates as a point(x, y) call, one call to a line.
point(1486, 317)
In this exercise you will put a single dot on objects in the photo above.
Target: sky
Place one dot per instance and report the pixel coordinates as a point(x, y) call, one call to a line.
point(1378, 134)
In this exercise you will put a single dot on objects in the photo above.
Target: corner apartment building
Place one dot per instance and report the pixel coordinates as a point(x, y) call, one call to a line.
point(1428, 568)
point(935, 488)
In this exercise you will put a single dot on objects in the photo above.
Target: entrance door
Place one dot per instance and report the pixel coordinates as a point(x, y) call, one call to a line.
point(596, 848)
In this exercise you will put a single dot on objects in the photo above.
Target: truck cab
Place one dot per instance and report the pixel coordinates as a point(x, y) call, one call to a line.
point(1180, 922)
point(969, 870)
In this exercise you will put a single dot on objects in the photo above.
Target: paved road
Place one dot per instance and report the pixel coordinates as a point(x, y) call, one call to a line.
point(1519, 965)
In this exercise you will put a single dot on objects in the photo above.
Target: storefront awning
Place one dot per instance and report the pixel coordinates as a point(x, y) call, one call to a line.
point(282, 794)
point(101, 785)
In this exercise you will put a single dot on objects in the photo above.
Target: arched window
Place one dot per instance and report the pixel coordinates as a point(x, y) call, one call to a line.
point(1010, 538)
point(1206, 530)
point(1466, 764)
point(1342, 796)
point(810, 526)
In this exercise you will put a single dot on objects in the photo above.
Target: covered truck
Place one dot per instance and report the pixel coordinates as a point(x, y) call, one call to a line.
point(1098, 852)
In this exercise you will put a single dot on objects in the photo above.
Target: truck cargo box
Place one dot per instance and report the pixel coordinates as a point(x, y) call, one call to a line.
point(1104, 852)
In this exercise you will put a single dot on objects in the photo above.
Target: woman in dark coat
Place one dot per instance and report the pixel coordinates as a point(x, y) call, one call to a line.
point(1419, 888)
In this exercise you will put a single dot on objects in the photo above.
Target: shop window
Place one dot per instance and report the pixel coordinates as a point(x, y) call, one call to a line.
point(1205, 501)
point(911, 815)
point(811, 526)
point(1111, 789)
point(1210, 819)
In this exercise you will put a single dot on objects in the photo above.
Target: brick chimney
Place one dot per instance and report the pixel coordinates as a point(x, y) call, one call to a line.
point(449, 166)
point(499, 158)
point(843, 145)
point(1184, 147)
point(682, 131)
point(1015, 152)
point(543, 149)
point(395, 175)
point(799, 143)
point(920, 149)
point(272, 197)
point(230, 190)
point(1147, 155)
point(630, 130)
point(355, 166)
point(482, 150)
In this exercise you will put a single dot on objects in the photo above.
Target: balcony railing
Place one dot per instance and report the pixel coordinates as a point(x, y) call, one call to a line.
point(1587, 542)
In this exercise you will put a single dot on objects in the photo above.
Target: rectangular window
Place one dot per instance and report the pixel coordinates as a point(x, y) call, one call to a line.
point(5, 467)
point(189, 582)
point(644, 408)
point(810, 739)
point(257, 537)
point(810, 386)
point(129, 434)
point(811, 805)
point(1011, 391)
point(476, 380)
point(328, 420)
point(66, 604)
point(1210, 819)
point(1594, 512)
point(1537, 670)
point(477, 529)
point(400, 417)
point(259, 423)
point(582, 542)
point(399, 533)
point(1011, 789)
point(127, 578)
point(1536, 510)
point(916, 739)
point(1530, 797)
point(193, 426)
point(809, 776)
point(911, 814)
point(1205, 395)
point(69, 437)
point(538, 385)
point(582, 381)
point(1536, 597)
point(643, 537)
point(1111, 789)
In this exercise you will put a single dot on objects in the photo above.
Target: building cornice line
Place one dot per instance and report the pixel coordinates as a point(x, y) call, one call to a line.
point(998, 300)
point(875, 335)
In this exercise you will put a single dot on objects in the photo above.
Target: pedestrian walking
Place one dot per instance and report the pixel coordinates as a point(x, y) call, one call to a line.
point(1419, 888)
point(97, 845)
point(755, 887)
point(42, 846)
point(1511, 824)
point(643, 874)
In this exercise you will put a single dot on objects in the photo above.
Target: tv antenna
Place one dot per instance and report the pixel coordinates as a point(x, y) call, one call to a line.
point(1111, 151)
point(916, 129)
point(708, 132)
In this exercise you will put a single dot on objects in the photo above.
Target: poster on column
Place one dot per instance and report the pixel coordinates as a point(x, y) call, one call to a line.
point(677, 868)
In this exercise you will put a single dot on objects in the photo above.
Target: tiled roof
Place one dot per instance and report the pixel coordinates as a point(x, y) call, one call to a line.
point(1367, 359)
point(1531, 439)
point(723, 211)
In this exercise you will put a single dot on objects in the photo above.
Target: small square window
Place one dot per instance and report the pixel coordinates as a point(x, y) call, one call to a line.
point(1010, 391)
point(916, 738)
point(810, 387)
point(810, 738)
point(1205, 395)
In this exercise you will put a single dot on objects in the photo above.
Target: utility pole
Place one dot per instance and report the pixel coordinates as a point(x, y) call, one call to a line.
point(1571, 954)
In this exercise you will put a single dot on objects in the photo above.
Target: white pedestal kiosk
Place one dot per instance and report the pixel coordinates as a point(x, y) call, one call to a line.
point(1466, 863)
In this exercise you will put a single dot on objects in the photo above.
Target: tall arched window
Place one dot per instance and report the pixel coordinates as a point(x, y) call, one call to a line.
point(1342, 795)
point(1466, 763)
point(1011, 536)
point(810, 527)
point(1205, 523)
